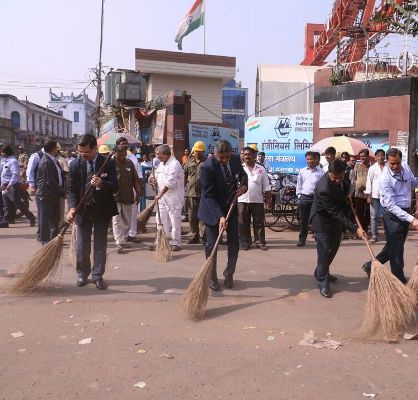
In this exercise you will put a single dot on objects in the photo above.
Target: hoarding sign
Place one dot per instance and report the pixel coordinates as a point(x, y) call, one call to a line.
point(210, 134)
point(402, 144)
point(284, 139)
point(336, 114)
point(158, 135)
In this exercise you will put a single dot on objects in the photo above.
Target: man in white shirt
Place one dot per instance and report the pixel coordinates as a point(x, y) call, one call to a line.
point(170, 184)
point(261, 159)
point(251, 203)
point(305, 188)
point(372, 191)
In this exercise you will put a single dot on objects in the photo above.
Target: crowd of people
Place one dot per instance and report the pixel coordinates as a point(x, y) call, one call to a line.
point(328, 195)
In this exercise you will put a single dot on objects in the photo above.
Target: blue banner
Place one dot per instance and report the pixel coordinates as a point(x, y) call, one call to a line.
point(209, 135)
point(284, 139)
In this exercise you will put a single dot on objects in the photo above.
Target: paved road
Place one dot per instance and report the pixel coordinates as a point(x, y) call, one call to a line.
point(246, 347)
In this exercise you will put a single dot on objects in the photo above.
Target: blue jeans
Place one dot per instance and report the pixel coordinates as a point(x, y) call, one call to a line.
point(327, 245)
point(395, 233)
point(375, 213)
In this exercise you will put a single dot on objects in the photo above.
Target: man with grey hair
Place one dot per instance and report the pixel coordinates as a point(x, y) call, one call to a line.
point(169, 179)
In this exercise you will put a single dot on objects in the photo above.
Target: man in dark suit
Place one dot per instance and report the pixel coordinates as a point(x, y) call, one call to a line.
point(329, 215)
point(98, 209)
point(49, 190)
point(221, 177)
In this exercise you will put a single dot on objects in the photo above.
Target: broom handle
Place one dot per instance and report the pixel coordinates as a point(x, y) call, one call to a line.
point(365, 239)
point(215, 247)
point(86, 193)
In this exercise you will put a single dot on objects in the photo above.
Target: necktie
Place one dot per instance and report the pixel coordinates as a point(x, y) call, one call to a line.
point(230, 189)
point(90, 174)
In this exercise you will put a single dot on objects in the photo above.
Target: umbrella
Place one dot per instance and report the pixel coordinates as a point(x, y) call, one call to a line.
point(111, 137)
point(341, 143)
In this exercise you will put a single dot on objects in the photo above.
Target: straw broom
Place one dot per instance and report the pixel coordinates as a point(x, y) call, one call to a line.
point(44, 264)
point(389, 305)
point(162, 245)
point(73, 246)
point(143, 216)
point(196, 297)
point(413, 282)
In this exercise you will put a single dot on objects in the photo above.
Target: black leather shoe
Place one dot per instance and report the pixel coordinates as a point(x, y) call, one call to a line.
point(100, 284)
point(229, 281)
point(332, 278)
point(133, 239)
point(367, 268)
point(301, 243)
point(81, 282)
point(32, 222)
point(193, 241)
point(214, 285)
point(245, 246)
point(325, 292)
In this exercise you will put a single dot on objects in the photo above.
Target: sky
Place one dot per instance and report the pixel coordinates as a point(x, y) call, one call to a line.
point(54, 43)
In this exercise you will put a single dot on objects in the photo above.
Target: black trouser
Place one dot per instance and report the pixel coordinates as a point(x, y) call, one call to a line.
point(99, 225)
point(395, 233)
point(13, 200)
point(197, 227)
point(212, 233)
point(362, 208)
point(48, 218)
point(327, 245)
point(245, 212)
point(305, 205)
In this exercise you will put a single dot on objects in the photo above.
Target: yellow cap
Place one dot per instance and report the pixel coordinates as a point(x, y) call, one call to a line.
point(199, 146)
point(104, 148)
point(253, 146)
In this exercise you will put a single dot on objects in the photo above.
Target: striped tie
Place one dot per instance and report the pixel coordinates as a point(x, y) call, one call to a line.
point(90, 174)
point(230, 191)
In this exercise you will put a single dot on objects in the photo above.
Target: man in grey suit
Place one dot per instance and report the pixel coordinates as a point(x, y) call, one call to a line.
point(49, 190)
point(97, 211)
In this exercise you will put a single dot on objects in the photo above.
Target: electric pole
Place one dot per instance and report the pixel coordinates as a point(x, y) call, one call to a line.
point(99, 75)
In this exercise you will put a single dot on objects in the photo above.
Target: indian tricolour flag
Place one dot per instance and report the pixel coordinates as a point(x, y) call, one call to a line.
point(193, 19)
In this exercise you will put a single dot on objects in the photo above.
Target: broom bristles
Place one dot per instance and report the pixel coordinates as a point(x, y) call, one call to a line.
point(43, 265)
point(389, 307)
point(162, 246)
point(196, 297)
point(413, 282)
point(145, 214)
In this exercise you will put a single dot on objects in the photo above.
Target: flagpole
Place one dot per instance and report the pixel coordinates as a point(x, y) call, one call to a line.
point(204, 26)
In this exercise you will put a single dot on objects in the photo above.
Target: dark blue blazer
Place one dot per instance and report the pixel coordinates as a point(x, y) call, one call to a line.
point(47, 180)
point(213, 201)
point(103, 197)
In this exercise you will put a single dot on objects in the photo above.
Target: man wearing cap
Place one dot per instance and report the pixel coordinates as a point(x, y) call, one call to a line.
point(104, 150)
point(133, 228)
point(191, 170)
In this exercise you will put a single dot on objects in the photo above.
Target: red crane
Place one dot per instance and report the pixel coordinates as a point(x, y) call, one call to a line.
point(350, 25)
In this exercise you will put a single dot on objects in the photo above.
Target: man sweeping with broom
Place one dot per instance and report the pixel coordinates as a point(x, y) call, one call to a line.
point(99, 207)
point(396, 184)
point(219, 177)
point(329, 215)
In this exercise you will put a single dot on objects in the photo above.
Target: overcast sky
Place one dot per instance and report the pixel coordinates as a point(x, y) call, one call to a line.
point(53, 43)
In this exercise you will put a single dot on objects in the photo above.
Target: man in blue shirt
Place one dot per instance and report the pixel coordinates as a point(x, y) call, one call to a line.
point(395, 183)
point(10, 180)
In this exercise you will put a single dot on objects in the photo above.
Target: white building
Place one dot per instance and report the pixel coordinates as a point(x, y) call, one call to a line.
point(32, 122)
point(284, 90)
point(78, 109)
point(200, 75)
